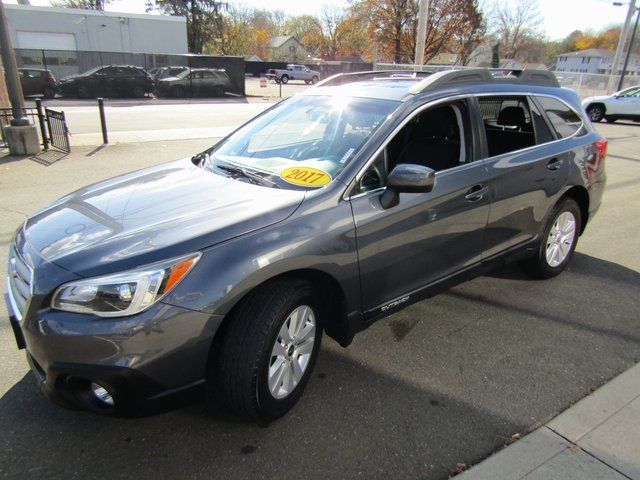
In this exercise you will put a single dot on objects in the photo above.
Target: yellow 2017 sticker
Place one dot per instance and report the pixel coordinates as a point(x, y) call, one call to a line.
point(305, 176)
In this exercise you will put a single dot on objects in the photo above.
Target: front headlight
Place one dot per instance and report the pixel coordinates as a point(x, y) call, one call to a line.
point(125, 293)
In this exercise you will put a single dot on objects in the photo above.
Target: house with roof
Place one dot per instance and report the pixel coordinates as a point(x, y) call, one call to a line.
point(287, 48)
point(594, 60)
point(512, 64)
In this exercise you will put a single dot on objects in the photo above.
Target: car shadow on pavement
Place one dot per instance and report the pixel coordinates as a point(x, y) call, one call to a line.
point(444, 382)
point(352, 420)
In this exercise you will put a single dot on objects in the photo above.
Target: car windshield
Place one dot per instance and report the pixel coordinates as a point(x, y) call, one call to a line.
point(629, 92)
point(93, 70)
point(304, 142)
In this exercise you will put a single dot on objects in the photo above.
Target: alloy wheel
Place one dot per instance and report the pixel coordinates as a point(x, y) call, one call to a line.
point(596, 113)
point(560, 239)
point(291, 351)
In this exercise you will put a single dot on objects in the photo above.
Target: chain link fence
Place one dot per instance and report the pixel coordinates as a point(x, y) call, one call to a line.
point(585, 84)
point(197, 75)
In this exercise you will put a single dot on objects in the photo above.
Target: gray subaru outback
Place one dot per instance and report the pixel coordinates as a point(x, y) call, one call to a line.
point(325, 213)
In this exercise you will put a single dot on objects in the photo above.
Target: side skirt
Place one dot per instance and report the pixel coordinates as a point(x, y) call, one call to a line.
point(370, 316)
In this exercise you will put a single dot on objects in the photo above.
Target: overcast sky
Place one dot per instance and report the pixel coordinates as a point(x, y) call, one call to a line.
point(561, 17)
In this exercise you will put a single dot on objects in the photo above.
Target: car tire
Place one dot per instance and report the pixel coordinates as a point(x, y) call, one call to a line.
point(596, 113)
point(260, 369)
point(314, 79)
point(277, 80)
point(177, 91)
point(611, 119)
point(49, 93)
point(558, 241)
point(308, 82)
point(83, 91)
point(284, 79)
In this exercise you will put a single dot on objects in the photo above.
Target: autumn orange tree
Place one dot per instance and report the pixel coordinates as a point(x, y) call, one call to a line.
point(453, 26)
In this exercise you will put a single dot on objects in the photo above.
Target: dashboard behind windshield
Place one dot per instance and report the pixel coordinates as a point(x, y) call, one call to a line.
point(306, 141)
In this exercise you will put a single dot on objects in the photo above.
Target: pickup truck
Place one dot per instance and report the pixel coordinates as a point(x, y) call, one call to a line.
point(294, 72)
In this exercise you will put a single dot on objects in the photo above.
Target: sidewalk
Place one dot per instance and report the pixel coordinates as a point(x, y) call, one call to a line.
point(597, 438)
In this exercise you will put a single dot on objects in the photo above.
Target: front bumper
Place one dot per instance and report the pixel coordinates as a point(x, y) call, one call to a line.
point(136, 359)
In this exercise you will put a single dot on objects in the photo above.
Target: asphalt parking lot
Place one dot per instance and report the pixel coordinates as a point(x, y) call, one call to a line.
point(441, 384)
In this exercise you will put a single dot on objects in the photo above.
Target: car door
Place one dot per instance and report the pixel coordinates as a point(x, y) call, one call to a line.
point(105, 82)
point(627, 103)
point(526, 170)
point(127, 78)
point(427, 237)
point(197, 82)
point(26, 81)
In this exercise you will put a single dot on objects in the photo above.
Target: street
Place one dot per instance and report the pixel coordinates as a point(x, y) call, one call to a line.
point(443, 383)
point(148, 119)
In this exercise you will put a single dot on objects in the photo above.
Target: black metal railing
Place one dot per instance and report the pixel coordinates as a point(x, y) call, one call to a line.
point(51, 123)
point(58, 131)
point(6, 114)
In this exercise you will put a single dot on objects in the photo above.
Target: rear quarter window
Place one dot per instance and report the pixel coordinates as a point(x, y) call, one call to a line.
point(565, 121)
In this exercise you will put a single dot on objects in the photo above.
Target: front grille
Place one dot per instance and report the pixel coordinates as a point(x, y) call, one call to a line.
point(20, 283)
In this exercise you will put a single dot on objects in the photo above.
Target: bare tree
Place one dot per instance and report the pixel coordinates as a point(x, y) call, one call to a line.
point(330, 21)
point(515, 23)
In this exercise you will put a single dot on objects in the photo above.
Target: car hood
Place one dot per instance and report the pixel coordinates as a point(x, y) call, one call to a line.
point(150, 215)
point(71, 78)
point(599, 98)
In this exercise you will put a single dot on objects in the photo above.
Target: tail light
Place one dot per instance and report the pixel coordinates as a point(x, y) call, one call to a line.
point(601, 145)
point(596, 160)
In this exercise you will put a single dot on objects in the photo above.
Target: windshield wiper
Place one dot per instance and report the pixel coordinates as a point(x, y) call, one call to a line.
point(253, 177)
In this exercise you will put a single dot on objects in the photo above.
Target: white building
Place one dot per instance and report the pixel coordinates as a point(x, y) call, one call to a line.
point(70, 29)
point(595, 60)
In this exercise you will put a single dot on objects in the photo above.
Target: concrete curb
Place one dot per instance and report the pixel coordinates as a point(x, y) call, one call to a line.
point(597, 438)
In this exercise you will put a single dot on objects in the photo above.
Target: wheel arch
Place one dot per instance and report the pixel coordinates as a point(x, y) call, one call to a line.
point(597, 103)
point(332, 296)
point(581, 196)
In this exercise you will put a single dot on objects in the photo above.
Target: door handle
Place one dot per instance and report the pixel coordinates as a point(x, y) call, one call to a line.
point(476, 193)
point(554, 164)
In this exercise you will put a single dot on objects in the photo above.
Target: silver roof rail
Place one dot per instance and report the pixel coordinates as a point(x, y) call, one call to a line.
point(343, 78)
point(452, 78)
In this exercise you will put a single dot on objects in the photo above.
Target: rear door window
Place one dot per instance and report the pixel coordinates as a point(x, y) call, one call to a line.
point(565, 121)
point(540, 125)
point(507, 123)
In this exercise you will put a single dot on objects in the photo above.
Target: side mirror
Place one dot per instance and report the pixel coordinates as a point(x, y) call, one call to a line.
point(407, 178)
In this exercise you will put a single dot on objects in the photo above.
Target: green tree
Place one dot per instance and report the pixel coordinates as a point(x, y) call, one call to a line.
point(204, 19)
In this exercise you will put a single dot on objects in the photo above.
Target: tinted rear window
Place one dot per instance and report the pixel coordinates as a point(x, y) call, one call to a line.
point(565, 121)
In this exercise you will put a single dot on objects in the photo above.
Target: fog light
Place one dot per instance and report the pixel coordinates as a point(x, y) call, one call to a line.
point(102, 394)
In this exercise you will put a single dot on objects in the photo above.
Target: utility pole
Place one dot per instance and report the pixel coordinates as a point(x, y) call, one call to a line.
point(21, 135)
point(11, 72)
point(626, 58)
point(421, 36)
point(621, 43)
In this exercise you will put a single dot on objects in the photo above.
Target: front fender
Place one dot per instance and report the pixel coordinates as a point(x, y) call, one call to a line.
point(322, 240)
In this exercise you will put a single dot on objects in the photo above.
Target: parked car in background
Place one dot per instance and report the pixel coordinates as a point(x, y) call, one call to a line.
point(622, 105)
point(333, 209)
point(109, 81)
point(166, 72)
point(38, 81)
point(294, 72)
point(196, 82)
